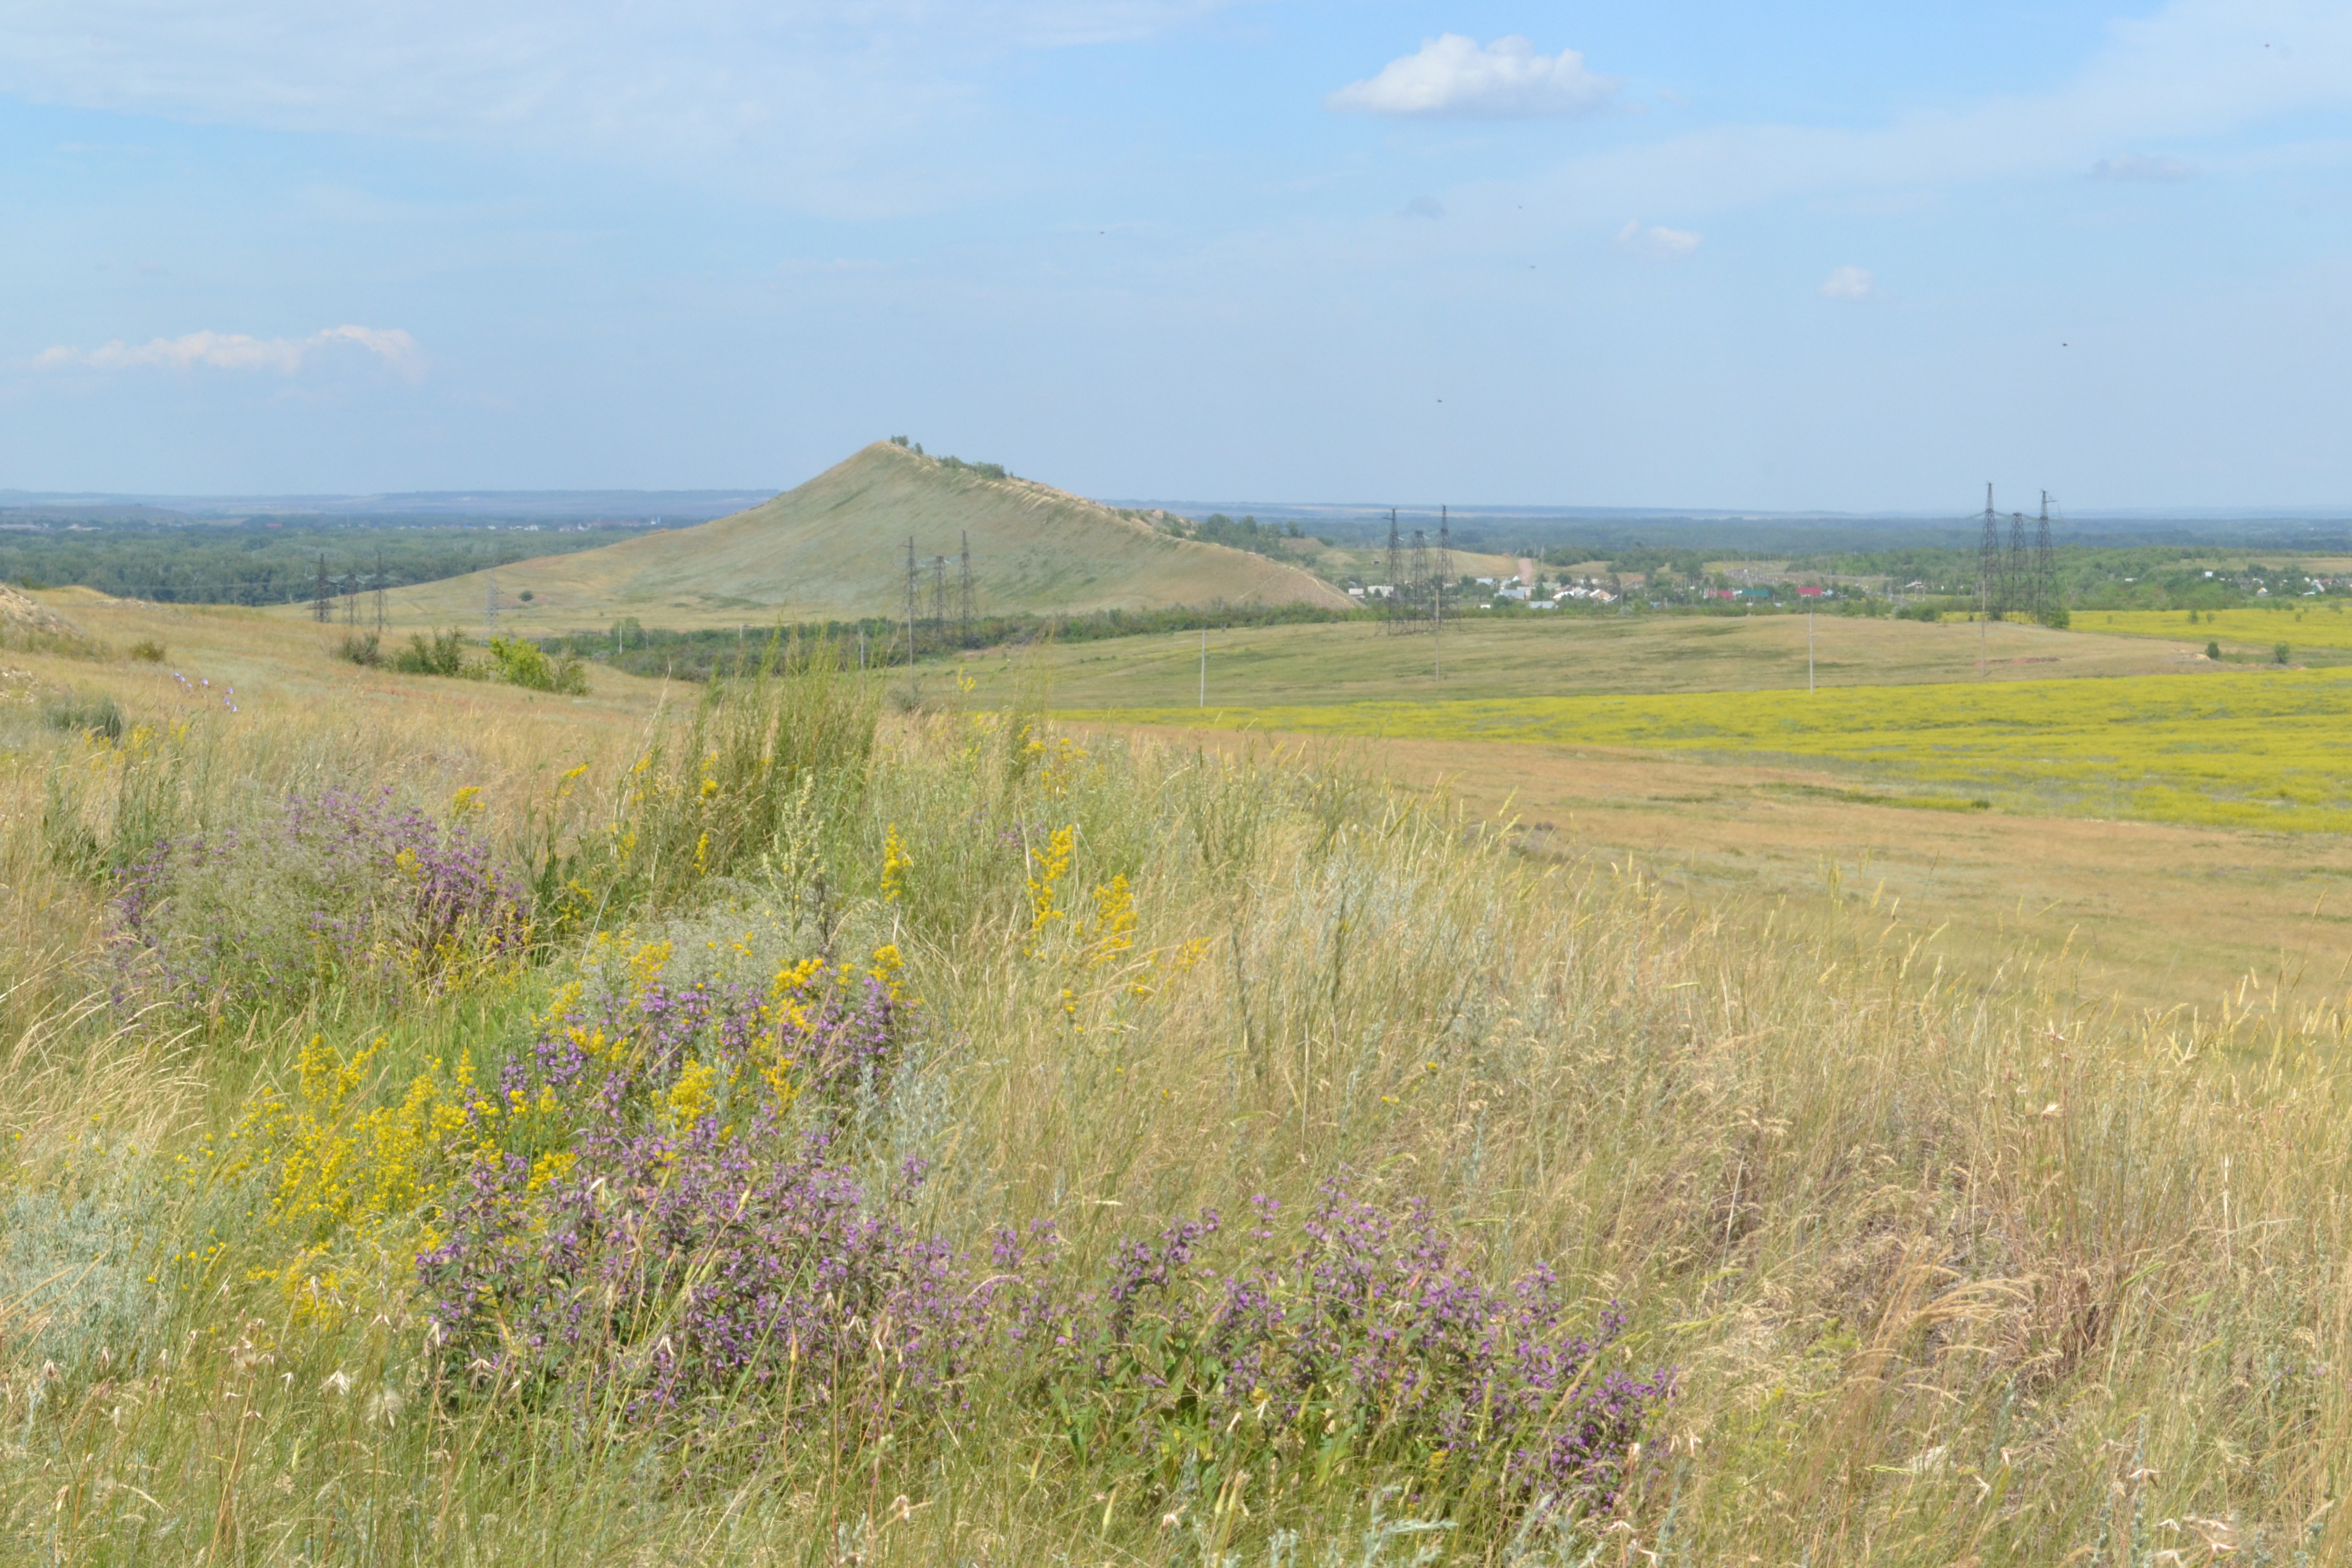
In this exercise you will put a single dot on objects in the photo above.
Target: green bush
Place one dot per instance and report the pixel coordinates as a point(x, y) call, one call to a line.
point(2279, 653)
point(445, 655)
point(2213, 651)
point(97, 717)
point(147, 650)
point(524, 663)
point(361, 647)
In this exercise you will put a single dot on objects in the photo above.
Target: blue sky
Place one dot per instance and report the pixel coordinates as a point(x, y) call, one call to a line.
point(1686, 253)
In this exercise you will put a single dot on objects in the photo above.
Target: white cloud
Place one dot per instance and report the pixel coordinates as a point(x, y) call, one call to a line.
point(2141, 166)
point(1452, 75)
point(235, 350)
point(1657, 244)
point(1422, 206)
point(1849, 283)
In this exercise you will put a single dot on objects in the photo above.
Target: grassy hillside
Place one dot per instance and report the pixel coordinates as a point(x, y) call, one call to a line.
point(835, 549)
point(503, 1128)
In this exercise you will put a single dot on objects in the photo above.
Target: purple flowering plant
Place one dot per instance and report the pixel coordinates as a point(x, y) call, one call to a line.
point(671, 1229)
point(671, 1235)
point(1367, 1348)
point(340, 885)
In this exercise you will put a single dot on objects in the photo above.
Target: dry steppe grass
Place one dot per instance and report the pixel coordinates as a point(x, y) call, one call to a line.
point(1953, 1267)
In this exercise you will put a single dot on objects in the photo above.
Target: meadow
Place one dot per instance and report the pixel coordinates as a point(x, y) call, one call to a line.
point(450, 1122)
point(2316, 626)
point(1550, 654)
point(2258, 751)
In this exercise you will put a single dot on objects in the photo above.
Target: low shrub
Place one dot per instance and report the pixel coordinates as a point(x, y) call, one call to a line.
point(444, 654)
point(147, 650)
point(524, 663)
point(98, 716)
point(361, 647)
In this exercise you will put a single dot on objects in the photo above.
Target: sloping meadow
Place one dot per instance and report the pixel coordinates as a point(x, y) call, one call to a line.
point(813, 1138)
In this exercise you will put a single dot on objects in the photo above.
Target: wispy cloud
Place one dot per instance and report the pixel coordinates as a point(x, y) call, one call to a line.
point(1422, 206)
point(1849, 283)
point(815, 99)
point(1656, 243)
point(1452, 75)
point(2195, 69)
point(235, 350)
point(2142, 166)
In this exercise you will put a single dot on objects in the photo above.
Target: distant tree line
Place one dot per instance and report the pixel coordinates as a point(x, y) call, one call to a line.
point(1239, 533)
point(253, 562)
point(2132, 577)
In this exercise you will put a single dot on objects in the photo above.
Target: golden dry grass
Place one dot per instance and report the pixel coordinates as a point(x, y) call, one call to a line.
point(1956, 1266)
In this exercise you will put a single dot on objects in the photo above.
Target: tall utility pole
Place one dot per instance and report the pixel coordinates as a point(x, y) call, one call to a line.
point(351, 599)
point(1437, 590)
point(1989, 586)
point(910, 611)
point(379, 593)
point(1396, 571)
point(1419, 573)
point(490, 602)
point(322, 607)
point(940, 598)
point(2046, 566)
point(2018, 573)
point(967, 589)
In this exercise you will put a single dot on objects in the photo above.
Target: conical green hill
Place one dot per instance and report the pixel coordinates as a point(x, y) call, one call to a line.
point(835, 548)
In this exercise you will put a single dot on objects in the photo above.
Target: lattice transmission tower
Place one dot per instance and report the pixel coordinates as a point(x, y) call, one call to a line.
point(1991, 591)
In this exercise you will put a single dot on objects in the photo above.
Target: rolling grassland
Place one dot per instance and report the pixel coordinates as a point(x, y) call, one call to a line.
point(1552, 654)
point(457, 1124)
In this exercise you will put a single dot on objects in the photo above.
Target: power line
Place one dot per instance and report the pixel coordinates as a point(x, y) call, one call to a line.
point(966, 638)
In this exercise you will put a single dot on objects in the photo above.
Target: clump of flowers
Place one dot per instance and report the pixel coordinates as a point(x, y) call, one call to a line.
point(336, 886)
point(1368, 1345)
point(694, 1250)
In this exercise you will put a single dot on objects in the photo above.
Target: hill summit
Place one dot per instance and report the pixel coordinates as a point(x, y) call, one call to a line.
point(835, 548)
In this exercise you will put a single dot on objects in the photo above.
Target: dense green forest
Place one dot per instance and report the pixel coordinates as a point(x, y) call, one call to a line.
point(276, 560)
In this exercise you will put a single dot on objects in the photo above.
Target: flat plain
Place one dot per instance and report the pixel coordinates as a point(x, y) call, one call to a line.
point(1556, 654)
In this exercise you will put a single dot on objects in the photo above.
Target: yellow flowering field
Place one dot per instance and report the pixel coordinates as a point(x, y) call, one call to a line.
point(2260, 750)
point(2296, 624)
